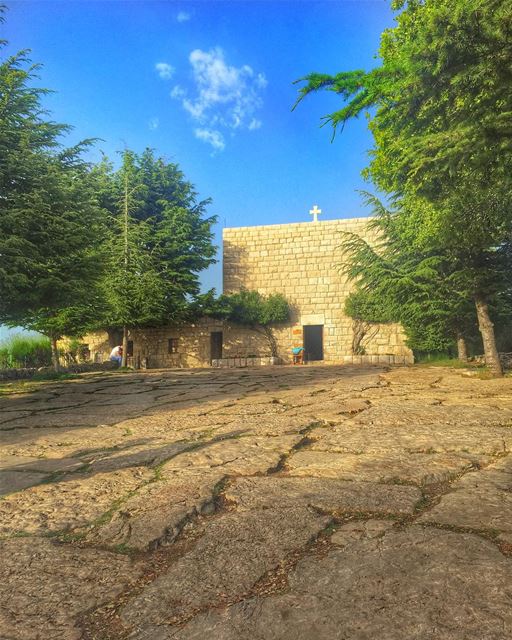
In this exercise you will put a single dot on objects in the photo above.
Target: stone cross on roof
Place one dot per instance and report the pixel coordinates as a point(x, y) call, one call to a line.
point(314, 212)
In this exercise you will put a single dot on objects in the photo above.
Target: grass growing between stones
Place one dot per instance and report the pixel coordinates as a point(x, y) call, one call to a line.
point(441, 360)
point(17, 534)
point(37, 382)
point(20, 386)
point(104, 622)
point(492, 535)
point(304, 442)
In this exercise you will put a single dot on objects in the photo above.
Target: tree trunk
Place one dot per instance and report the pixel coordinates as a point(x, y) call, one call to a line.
point(126, 259)
point(55, 354)
point(125, 346)
point(492, 358)
point(462, 352)
point(359, 329)
point(271, 341)
point(361, 332)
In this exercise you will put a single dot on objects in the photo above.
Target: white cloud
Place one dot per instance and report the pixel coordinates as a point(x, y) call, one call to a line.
point(164, 70)
point(183, 16)
point(254, 124)
point(224, 96)
point(153, 124)
point(178, 92)
point(261, 81)
point(212, 137)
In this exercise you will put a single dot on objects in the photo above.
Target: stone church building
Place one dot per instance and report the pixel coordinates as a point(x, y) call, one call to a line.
point(300, 261)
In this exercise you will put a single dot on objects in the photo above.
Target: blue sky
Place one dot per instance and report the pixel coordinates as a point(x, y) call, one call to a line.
point(209, 85)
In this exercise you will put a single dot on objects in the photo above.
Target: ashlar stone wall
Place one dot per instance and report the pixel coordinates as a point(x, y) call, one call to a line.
point(302, 261)
point(192, 344)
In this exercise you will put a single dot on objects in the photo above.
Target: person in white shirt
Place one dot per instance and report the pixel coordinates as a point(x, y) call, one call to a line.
point(116, 355)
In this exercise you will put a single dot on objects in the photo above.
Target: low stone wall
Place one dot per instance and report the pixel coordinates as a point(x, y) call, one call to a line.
point(230, 363)
point(20, 374)
point(387, 359)
point(505, 359)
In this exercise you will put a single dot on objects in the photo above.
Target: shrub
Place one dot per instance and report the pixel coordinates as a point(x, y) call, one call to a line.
point(19, 351)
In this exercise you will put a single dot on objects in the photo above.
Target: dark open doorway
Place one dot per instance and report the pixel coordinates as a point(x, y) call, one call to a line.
point(216, 345)
point(314, 342)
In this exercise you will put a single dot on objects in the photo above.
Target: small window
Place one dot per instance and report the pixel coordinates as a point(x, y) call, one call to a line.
point(129, 351)
point(173, 345)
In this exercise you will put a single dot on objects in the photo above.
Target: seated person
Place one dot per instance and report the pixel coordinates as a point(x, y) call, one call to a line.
point(116, 355)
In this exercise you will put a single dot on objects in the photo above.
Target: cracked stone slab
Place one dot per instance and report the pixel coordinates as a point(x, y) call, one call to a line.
point(415, 425)
point(421, 438)
point(359, 530)
point(44, 586)
point(266, 408)
point(242, 455)
point(12, 481)
point(65, 418)
point(420, 409)
point(72, 502)
point(321, 493)
point(271, 425)
point(384, 467)
point(337, 409)
point(421, 584)
point(143, 455)
point(481, 500)
point(55, 443)
point(344, 387)
point(235, 551)
point(7, 416)
point(157, 513)
point(58, 402)
point(449, 380)
point(40, 464)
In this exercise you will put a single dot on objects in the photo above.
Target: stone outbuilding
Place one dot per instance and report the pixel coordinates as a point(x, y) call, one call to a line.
point(301, 261)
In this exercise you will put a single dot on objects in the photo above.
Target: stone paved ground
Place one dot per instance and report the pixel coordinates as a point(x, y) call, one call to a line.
point(301, 503)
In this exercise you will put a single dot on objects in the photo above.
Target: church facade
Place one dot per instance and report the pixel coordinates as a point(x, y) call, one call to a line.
point(302, 262)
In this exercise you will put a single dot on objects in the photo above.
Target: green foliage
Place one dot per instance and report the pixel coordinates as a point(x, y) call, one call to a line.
point(25, 351)
point(251, 308)
point(276, 310)
point(81, 246)
point(367, 312)
point(157, 243)
point(49, 218)
point(399, 279)
point(443, 360)
point(442, 94)
point(441, 119)
point(362, 305)
point(77, 351)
